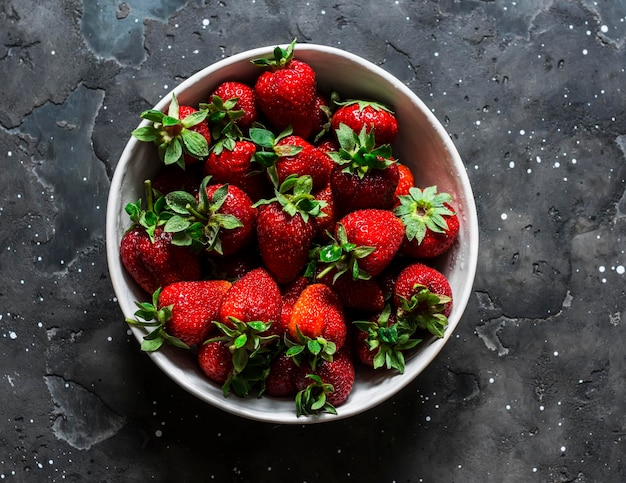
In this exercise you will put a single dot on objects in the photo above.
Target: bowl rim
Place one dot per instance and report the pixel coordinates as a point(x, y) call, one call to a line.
point(428, 353)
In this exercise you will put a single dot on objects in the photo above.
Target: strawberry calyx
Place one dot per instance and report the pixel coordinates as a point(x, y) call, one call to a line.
point(222, 117)
point(280, 59)
point(423, 210)
point(270, 151)
point(294, 195)
point(362, 104)
point(197, 220)
point(358, 152)
point(173, 136)
point(313, 399)
point(155, 318)
point(154, 215)
point(389, 340)
point(309, 350)
point(340, 256)
point(252, 353)
point(424, 310)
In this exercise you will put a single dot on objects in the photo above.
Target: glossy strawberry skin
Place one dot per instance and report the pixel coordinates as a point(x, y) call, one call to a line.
point(159, 263)
point(290, 293)
point(201, 128)
point(339, 373)
point(375, 190)
point(216, 361)
point(239, 205)
point(433, 243)
point(280, 381)
point(247, 100)
point(383, 122)
point(284, 241)
point(194, 307)
point(406, 180)
point(286, 96)
point(235, 167)
point(420, 274)
point(254, 297)
point(325, 224)
point(374, 228)
point(318, 313)
point(309, 161)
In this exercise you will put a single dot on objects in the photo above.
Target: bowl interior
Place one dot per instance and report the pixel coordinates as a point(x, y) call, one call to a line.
point(422, 144)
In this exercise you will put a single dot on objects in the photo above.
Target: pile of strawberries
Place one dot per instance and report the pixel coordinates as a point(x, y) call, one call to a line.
point(282, 243)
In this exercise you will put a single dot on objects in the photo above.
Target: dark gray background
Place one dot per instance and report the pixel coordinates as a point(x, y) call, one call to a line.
point(531, 386)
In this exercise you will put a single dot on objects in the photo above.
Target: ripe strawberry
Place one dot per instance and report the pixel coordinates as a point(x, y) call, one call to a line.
point(254, 297)
point(373, 116)
point(232, 164)
point(363, 295)
point(194, 305)
point(182, 135)
point(325, 224)
point(431, 225)
point(406, 181)
point(216, 361)
point(423, 297)
point(236, 102)
point(324, 388)
point(280, 381)
point(286, 91)
point(148, 253)
point(382, 341)
point(365, 176)
point(318, 313)
point(379, 229)
point(321, 118)
point(237, 204)
point(290, 293)
point(285, 228)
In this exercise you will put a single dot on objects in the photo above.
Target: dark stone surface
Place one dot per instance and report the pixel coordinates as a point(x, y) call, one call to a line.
point(531, 386)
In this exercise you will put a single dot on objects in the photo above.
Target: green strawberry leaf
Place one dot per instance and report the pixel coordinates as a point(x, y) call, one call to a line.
point(173, 152)
point(146, 134)
point(195, 143)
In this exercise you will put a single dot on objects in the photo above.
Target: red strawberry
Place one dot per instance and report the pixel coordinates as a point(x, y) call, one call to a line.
point(290, 293)
point(406, 181)
point(235, 203)
point(379, 229)
point(233, 165)
point(318, 313)
point(423, 297)
point(286, 92)
point(382, 341)
point(280, 381)
point(373, 116)
point(216, 361)
point(194, 306)
point(365, 176)
point(182, 135)
point(321, 118)
point(243, 111)
point(147, 251)
point(326, 387)
point(325, 224)
point(431, 225)
point(285, 228)
point(365, 295)
point(254, 297)
point(308, 161)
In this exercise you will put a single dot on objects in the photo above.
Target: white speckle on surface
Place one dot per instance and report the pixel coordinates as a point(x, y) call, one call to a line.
point(205, 22)
point(491, 380)
point(555, 353)
point(158, 433)
point(522, 132)
point(504, 216)
point(620, 270)
point(563, 449)
point(512, 164)
point(508, 407)
point(12, 335)
point(601, 268)
point(585, 51)
point(604, 29)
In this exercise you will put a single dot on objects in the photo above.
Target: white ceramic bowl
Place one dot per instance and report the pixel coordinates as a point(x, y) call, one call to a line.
point(422, 144)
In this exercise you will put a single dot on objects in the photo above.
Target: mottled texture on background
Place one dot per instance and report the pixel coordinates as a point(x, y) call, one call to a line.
point(530, 387)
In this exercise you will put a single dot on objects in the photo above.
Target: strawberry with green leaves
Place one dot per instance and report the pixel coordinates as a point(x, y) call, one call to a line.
point(182, 136)
point(323, 389)
point(286, 91)
point(431, 225)
point(365, 175)
point(233, 163)
point(423, 298)
point(233, 102)
point(254, 297)
point(373, 116)
point(149, 253)
point(287, 154)
point(406, 181)
point(221, 218)
point(181, 313)
point(382, 341)
point(285, 228)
